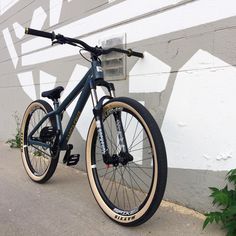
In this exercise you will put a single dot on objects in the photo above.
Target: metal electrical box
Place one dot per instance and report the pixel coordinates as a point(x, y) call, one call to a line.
point(114, 64)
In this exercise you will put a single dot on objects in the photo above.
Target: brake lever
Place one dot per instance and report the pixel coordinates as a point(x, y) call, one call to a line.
point(58, 39)
point(57, 42)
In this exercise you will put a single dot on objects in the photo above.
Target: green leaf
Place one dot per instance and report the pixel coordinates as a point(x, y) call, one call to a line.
point(211, 217)
point(231, 227)
point(221, 197)
point(230, 212)
point(214, 189)
point(206, 222)
point(226, 199)
point(231, 176)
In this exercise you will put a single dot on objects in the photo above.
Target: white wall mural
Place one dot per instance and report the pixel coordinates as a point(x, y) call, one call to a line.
point(203, 93)
point(19, 30)
point(148, 75)
point(10, 46)
point(5, 5)
point(38, 18)
point(196, 12)
point(27, 83)
point(199, 124)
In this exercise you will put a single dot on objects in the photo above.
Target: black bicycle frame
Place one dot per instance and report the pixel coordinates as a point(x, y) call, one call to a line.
point(93, 78)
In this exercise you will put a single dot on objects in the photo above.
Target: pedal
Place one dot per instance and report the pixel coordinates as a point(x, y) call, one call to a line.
point(73, 160)
point(68, 153)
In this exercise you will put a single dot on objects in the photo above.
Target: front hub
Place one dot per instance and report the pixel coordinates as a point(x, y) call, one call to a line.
point(123, 158)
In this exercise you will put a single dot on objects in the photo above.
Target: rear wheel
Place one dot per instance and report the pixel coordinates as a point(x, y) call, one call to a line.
point(39, 162)
point(128, 192)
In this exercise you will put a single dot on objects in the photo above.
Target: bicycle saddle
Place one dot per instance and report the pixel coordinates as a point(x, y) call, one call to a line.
point(53, 93)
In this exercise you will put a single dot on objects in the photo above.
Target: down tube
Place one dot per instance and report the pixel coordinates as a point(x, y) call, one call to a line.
point(75, 115)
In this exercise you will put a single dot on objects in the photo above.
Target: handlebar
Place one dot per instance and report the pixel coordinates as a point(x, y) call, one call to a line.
point(58, 38)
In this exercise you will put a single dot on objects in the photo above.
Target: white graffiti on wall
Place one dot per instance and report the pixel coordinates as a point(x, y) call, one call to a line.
point(185, 123)
point(149, 75)
point(197, 13)
point(5, 5)
point(26, 80)
point(199, 124)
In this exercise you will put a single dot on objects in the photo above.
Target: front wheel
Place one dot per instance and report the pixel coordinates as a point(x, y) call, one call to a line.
point(130, 192)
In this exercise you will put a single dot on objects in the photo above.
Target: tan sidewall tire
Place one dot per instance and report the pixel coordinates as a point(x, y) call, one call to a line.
point(97, 196)
point(29, 109)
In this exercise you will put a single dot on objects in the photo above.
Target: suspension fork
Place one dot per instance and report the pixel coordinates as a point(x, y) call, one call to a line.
point(121, 132)
point(97, 111)
point(98, 114)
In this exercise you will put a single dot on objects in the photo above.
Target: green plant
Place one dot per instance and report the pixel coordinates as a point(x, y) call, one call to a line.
point(225, 199)
point(15, 142)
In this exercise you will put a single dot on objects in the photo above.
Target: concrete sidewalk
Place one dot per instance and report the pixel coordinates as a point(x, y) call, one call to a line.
point(65, 206)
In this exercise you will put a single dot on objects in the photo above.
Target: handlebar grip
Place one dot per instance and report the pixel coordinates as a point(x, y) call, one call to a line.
point(133, 53)
point(39, 33)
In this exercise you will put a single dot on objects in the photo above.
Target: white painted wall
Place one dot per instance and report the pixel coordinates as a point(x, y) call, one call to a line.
point(199, 123)
point(5, 5)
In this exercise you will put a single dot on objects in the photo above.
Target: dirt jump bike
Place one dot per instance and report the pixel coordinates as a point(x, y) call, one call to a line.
point(125, 153)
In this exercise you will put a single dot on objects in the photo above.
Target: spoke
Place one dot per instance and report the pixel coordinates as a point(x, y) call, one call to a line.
point(41, 151)
point(128, 124)
point(145, 167)
point(36, 165)
point(109, 182)
point(43, 158)
point(104, 175)
point(135, 140)
point(112, 182)
point(143, 159)
point(137, 166)
point(40, 165)
point(118, 191)
point(45, 164)
point(126, 191)
point(138, 178)
point(134, 134)
point(133, 190)
point(122, 177)
point(125, 120)
point(138, 143)
point(135, 150)
point(132, 187)
point(117, 149)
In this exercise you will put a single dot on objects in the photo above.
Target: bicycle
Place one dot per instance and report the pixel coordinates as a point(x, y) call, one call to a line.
point(125, 152)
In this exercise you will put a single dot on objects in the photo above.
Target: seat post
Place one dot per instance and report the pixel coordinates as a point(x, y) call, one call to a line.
point(57, 116)
point(55, 103)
